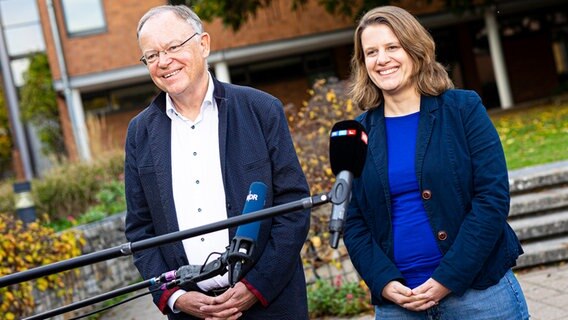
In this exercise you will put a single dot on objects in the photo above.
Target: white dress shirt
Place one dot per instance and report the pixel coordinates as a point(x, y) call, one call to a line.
point(197, 182)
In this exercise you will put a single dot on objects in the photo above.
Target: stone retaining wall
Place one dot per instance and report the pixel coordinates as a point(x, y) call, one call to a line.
point(99, 278)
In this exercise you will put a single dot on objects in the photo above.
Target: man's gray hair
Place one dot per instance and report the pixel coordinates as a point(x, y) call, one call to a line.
point(183, 12)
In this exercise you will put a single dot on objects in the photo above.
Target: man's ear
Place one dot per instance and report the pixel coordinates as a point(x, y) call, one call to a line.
point(205, 44)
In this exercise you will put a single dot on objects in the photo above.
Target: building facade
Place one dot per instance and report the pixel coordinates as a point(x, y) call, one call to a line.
point(512, 53)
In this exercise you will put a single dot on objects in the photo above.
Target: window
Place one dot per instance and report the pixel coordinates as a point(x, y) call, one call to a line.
point(23, 34)
point(315, 65)
point(18, 12)
point(22, 29)
point(319, 65)
point(24, 40)
point(135, 97)
point(83, 17)
point(19, 67)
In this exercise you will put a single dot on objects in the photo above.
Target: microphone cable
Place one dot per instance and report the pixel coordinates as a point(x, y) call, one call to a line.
point(207, 259)
point(137, 296)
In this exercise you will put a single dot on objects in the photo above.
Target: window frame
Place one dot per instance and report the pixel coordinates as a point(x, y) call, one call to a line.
point(92, 31)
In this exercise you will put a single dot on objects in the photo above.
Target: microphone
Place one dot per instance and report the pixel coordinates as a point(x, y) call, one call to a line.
point(347, 153)
point(243, 244)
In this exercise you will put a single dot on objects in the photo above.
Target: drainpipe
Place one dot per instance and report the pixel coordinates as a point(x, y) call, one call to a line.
point(23, 200)
point(18, 137)
point(76, 113)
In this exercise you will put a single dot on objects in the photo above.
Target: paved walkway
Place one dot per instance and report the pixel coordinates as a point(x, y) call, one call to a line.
point(546, 291)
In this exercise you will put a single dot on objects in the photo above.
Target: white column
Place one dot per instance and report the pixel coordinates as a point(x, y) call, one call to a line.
point(222, 72)
point(499, 66)
point(82, 136)
point(76, 115)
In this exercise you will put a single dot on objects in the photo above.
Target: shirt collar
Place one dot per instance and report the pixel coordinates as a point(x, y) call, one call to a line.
point(207, 101)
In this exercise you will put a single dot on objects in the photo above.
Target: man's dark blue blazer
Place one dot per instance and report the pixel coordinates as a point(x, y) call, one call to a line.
point(255, 145)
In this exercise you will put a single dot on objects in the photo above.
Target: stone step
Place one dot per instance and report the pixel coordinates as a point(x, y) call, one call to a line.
point(536, 227)
point(538, 201)
point(537, 177)
point(544, 252)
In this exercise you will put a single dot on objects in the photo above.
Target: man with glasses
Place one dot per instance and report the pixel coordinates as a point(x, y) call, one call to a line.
point(191, 156)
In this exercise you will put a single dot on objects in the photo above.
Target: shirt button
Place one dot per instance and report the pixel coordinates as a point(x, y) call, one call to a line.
point(202, 239)
point(196, 181)
point(442, 235)
point(198, 209)
point(195, 153)
point(426, 194)
point(193, 127)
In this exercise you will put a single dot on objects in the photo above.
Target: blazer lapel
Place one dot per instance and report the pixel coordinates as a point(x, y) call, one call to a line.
point(159, 135)
point(377, 149)
point(425, 124)
point(220, 99)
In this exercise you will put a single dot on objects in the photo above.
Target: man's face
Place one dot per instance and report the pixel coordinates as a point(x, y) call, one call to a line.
point(179, 69)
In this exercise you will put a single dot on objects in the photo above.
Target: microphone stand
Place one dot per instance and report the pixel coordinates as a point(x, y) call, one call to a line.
point(93, 300)
point(130, 247)
point(182, 276)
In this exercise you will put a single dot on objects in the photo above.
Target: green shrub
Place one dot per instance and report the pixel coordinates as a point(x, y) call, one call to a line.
point(6, 196)
point(69, 189)
point(5, 139)
point(110, 200)
point(338, 299)
point(91, 215)
point(39, 105)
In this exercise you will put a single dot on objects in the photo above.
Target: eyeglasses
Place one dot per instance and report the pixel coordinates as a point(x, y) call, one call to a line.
point(152, 56)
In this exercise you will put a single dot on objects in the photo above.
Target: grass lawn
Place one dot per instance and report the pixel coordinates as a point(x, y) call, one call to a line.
point(533, 135)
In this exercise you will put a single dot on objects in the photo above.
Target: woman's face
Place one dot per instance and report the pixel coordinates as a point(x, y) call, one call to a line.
point(389, 66)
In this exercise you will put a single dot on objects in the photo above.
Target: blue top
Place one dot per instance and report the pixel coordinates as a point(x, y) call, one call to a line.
point(416, 253)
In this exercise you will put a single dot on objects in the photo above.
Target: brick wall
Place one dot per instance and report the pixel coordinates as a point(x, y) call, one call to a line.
point(116, 48)
point(276, 22)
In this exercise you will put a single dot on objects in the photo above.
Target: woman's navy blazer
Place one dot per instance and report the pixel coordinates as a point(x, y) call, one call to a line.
point(462, 176)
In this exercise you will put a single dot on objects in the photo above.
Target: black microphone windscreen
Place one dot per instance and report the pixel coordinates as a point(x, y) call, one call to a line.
point(255, 201)
point(348, 147)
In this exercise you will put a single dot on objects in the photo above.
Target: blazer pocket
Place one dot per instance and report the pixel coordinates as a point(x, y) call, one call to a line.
point(146, 170)
point(148, 178)
point(257, 164)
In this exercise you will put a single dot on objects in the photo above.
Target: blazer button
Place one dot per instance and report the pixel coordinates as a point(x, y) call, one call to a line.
point(442, 235)
point(228, 206)
point(426, 194)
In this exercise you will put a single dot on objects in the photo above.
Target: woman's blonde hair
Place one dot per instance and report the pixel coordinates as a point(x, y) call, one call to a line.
point(430, 76)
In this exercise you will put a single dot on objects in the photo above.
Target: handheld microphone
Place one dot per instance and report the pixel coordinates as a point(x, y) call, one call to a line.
point(347, 153)
point(243, 244)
